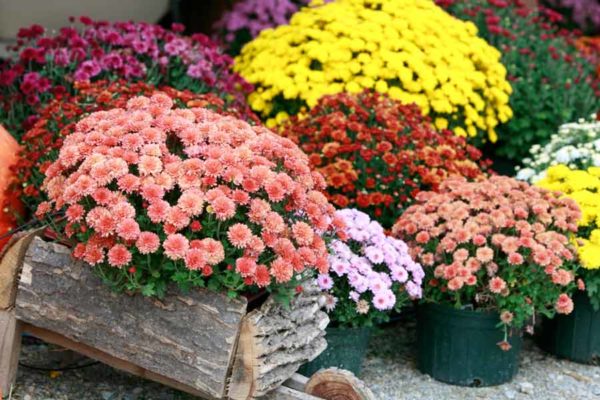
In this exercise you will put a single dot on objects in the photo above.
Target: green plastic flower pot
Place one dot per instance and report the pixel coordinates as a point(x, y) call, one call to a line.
point(346, 348)
point(575, 336)
point(460, 347)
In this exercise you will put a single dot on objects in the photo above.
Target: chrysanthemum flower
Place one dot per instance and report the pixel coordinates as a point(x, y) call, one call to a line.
point(160, 196)
point(147, 242)
point(498, 245)
point(119, 256)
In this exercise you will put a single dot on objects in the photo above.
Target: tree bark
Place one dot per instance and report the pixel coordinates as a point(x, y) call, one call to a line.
point(275, 341)
point(190, 338)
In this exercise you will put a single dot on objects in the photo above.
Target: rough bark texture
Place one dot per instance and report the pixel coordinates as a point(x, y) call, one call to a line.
point(275, 341)
point(338, 384)
point(190, 339)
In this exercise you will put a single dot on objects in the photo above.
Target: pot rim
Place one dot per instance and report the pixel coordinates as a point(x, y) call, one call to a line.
point(448, 309)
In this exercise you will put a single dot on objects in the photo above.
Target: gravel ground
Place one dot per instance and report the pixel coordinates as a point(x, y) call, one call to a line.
point(389, 370)
point(391, 373)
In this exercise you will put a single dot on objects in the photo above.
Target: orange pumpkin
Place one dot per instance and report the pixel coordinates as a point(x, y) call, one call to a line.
point(9, 200)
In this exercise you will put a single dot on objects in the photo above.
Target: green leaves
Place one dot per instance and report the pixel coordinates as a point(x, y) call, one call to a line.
point(552, 82)
point(591, 277)
point(148, 290)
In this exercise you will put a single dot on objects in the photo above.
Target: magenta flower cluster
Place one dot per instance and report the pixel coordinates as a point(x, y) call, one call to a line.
point(585, 13)
point(248, 18)
point(370, 272)
point(46, 66)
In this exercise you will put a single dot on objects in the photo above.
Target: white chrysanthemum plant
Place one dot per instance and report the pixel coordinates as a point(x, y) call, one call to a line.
point(576, 145)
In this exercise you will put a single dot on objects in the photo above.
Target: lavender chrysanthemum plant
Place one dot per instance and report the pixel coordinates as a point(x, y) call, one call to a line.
point(370, 273)
point(248, 18)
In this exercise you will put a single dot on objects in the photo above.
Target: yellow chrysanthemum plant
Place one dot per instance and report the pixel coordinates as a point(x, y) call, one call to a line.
point(410, 49)
point(583, 186)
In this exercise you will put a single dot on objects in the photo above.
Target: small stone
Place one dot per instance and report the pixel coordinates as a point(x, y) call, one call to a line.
point(510, 394)
point(27, 397)
point(526, 387)
point(107, 395)
point(596, 390)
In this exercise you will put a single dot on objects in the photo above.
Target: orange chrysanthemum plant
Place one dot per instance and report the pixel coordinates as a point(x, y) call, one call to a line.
point(497, 245)
point(376, 154)
point(154, 194)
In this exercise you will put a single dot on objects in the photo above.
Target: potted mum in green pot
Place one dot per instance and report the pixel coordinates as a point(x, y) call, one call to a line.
point(370, 275)
point(577, 336)
point(495, 253)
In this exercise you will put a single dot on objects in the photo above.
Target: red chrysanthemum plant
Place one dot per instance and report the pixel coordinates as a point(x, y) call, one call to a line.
point(376, 154)
point(154, 194)
point(497, 245)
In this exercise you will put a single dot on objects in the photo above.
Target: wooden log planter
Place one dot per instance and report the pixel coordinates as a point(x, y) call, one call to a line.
point(202, 343)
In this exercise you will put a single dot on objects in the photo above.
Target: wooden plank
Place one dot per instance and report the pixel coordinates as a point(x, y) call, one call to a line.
point(297, 382)
point(244, 374)
point(293, 388)
point(11, 261)
point(123, 365)
point(190, 339)
point(10, 347)
point(286, 393)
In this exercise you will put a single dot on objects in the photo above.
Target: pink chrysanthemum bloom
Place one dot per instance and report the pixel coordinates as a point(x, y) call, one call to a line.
point(281, 270)
point(239, 235)
point(119, 256)
point(564, 304)
point(176, 246)
point(303, 233)
point(195, 259)
point(497, 285)
point(484, 254)
point(246, 266)
point(128, 229)
point(147, 242)
point(223, 207)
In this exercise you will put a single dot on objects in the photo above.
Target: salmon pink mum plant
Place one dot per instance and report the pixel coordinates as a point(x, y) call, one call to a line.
point(498, 245)
point(371, 273)
point(41, 143)
point(155, 194)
